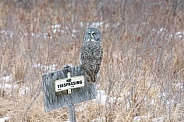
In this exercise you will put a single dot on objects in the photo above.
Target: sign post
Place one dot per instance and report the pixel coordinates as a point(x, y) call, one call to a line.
point(71, 108)
point(65, 88)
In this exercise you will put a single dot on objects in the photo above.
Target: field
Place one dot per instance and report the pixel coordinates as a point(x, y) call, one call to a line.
point(142, 73)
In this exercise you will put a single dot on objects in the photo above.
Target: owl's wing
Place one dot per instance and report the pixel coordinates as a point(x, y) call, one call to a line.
point(98, 53)
point(86, 54)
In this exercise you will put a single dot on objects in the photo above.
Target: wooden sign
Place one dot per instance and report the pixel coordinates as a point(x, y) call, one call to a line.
point(55, 87)
point(69, 83)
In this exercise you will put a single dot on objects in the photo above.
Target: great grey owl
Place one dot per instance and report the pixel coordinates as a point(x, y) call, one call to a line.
point(91, 53)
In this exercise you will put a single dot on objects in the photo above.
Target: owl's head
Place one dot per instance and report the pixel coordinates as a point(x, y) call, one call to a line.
point(92, 34)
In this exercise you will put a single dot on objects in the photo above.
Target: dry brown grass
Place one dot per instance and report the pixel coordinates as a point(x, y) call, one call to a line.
point(141, 68)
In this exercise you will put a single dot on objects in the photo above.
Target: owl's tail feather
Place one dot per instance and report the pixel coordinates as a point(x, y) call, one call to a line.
point(93, 78)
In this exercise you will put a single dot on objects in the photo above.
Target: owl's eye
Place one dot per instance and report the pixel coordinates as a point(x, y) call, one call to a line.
point(89, 33)
point(93, 34)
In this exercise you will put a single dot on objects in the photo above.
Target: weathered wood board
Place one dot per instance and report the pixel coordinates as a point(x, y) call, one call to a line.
point(55, 100)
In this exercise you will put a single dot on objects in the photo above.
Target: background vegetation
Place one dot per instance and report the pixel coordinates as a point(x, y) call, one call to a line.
point(142, 72)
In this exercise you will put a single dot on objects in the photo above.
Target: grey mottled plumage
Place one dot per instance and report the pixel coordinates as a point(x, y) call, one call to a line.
point(91, 53)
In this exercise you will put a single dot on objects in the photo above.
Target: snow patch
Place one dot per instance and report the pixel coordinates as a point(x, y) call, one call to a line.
point(139, 118)
point(179, 85)
point(160, 30)
point(45, 67)
point(7, 86)
point(4, 119)
point(55, 28)
point(179, 35)
point(96, 24)
point(163, 94)
point(158, 119)
point(24, 90)
point(98, 120)
point(81, 107)
point(7, 78)
point(7, 33)
point(101, 96)
point(143, 118)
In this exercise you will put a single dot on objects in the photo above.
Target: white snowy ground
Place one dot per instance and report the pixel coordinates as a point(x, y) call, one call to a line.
point(6, 85)
point(4, 119)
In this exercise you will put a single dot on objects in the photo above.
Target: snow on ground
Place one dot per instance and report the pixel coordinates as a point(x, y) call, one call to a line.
point(179, 85)
point(55, 28)
point(163, 30)
point(101, 96)
point(102, 119)
point(144, 118)
point(45, 67)
point(136, 119)
point(58, 28)
point(24, 90)
point(8, 87)
point(5, 84)
point(7, 78)
point(5, 119)
point(8, 33)
point(140, 118)
point(158, 119)
point(179, 35)
point(96, 24)
point(160, 30)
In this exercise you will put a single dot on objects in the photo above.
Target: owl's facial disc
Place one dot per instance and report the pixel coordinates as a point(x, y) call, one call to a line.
point(92, 35)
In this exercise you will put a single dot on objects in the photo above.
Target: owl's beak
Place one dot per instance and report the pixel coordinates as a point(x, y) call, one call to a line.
point(91, 37)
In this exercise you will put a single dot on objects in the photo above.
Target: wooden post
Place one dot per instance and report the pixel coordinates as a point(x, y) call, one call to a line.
point(71, 107)
point(71, 113)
